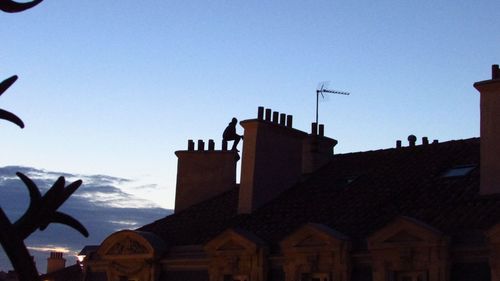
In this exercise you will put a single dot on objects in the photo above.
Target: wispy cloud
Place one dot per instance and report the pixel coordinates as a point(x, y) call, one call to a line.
point(146, 187)
point(96, 189)
point(49, 248)
point(125, 224)
point(103, 204)
point(115, 200)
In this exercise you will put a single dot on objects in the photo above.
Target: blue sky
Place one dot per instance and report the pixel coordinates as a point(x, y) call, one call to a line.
point(115, 87)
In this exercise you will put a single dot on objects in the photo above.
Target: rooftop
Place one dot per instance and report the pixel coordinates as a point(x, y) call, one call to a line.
point(356, 194)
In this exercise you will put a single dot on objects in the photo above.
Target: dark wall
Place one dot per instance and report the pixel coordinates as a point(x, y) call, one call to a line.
point(470, 272)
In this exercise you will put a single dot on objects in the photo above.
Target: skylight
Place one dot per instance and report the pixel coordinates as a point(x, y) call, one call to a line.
point(459, 171)
point(346, 180)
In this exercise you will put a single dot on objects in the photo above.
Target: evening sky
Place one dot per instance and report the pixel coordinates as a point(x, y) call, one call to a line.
point(115, 87)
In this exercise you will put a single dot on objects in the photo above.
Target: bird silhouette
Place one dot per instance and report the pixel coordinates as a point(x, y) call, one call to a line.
point(6, 115)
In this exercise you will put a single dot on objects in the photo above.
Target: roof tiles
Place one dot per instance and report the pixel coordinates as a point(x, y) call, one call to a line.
point(355, 194)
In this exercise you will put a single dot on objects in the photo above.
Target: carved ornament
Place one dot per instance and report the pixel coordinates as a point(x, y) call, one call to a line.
point(127, 246)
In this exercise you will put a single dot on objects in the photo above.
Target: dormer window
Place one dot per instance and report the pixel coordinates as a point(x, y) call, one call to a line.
point(459, 171)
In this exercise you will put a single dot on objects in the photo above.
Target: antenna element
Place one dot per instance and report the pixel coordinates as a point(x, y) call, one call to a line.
point(322, 88)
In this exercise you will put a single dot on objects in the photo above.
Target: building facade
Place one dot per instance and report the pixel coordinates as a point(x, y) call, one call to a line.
point(418, 212)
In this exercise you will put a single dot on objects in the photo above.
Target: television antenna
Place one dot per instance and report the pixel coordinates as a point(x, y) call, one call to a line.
point(323, 88)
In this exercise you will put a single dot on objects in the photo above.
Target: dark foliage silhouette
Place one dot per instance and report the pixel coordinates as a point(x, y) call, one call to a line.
point(42, 210)
point(6, 115)
point(10, 6)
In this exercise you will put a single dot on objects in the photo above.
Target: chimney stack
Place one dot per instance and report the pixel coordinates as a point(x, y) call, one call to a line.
point(55, 262)
point(490, 132)
point(271, 160)
point(317, 150)
point(203, 174)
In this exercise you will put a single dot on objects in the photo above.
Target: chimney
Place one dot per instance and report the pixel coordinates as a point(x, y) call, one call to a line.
point(317, 150)
point(490, 132)
point(412, 140)
point(203, 174)
point(55, 262)
point(271, 160)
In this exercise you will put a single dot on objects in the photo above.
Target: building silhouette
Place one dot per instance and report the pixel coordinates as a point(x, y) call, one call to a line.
point(419, 211)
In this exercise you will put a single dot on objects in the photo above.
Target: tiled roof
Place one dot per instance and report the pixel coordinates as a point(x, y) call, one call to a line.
point(356, 194)
point(70, 273)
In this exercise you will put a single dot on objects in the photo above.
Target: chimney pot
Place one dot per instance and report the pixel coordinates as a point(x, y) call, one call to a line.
point(435, 142)
point(275, 117)
point(322, 130)
point(201, 145)
point(495, 72)
point(412, 139)
point(260, 113)
point(282, 119)
point(398, 144)
point(314, 128)
point(425, 141)
point(268, 114)
point(211, 145)
point(289, 121)
point(190, 145)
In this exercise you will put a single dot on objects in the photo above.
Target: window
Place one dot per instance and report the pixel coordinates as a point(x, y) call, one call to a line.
point(459, 171)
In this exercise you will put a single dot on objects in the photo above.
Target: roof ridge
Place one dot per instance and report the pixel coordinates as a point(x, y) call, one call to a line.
point(448, 142)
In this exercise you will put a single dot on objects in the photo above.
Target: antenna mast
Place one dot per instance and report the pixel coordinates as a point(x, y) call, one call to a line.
point(323, 89)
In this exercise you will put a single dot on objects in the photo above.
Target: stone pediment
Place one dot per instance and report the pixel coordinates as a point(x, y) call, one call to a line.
point(403, 236)
point(129, 243)
point(231, 245)
point(310, 241)
point(405, 231)
point(234, 240)
point(313, 236)
point(127, 246)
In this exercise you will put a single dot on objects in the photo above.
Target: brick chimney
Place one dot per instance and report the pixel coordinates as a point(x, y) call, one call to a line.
point(55, 262)
point(203, 174)
point(317, 150)
point(490, 132)
point(271, 160)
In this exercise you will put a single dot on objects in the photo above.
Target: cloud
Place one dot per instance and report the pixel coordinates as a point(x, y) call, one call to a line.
point(95, 189)
point(146, 187)
point(48, 248)
point(100, 204)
